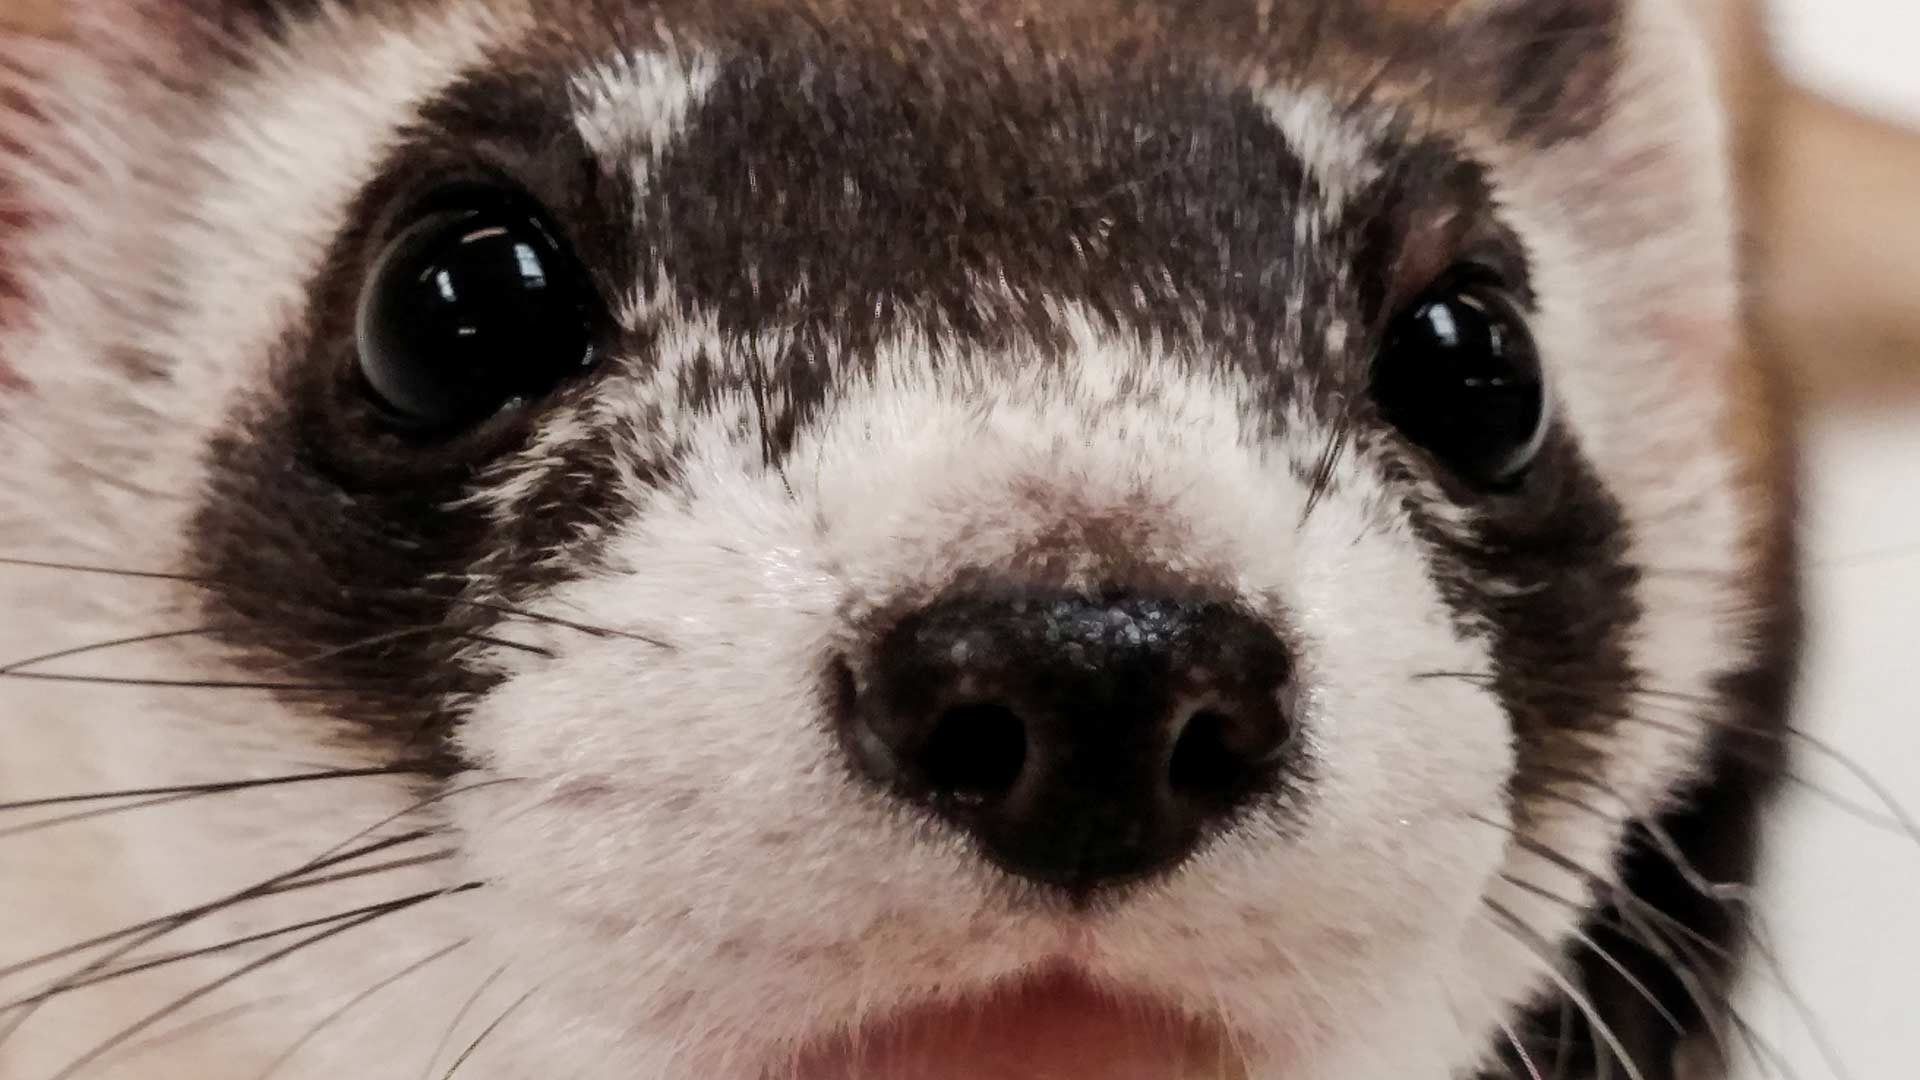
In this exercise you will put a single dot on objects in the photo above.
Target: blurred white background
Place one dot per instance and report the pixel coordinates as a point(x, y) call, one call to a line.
point(1842, 897)
point(1863, 52)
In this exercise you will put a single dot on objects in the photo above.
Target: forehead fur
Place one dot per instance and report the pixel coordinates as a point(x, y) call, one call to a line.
point(1530, 69)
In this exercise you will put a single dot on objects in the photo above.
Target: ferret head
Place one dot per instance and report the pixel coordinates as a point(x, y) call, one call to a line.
point(884, 534)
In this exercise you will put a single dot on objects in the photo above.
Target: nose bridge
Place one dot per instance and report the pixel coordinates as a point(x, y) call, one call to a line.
point(1093, 471)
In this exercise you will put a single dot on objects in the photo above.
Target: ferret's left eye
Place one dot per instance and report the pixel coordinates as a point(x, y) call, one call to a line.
point(1460, 376)
point(469, 311)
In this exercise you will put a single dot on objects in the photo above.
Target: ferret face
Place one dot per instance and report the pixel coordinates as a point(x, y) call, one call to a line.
point(898, 543)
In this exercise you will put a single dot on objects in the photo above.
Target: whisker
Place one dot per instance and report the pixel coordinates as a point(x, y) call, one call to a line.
point(193, 1027)
point(1629, 904)
point(1723, 893)
point(1873, 557)
point(366, 871)
point(1325, 471)
point(569, 624)
point(1613, 963)
point(1863, 814)
point(88, 815)
point(189, 684)
point(494, 606)
point(104, 571)
point(1519, 1048)
point(1600, 952)
point(69, 986)
point(133, 938)
point(19, 666)
point(459, 1018)
point(288, 882)
point(143, 1024)
point(215, 788)
point(1718, 891)
point(482, 1037)
point(1525, 935)
point(116, 643)
point(519, 646)
point(354, 1002)
point(1899, 819)
point(155, 929)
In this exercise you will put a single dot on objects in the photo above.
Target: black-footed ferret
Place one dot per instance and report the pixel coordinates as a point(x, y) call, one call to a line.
point(879, 540)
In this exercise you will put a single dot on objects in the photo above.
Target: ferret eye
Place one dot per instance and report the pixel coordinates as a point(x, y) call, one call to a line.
point(468, 312)
point(1460, 377)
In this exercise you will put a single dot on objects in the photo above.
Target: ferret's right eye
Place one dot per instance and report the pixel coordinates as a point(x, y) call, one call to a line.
point(471, 311)
point(1460, 376)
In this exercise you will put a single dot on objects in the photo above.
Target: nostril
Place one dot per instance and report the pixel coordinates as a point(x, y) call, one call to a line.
point(976, 750)
point(1208, 763)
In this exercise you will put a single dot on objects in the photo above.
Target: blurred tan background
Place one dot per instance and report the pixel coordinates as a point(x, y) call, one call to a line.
point(1834, 193)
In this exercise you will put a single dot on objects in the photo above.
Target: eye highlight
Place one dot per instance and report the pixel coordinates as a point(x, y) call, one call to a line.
point(470, 311)
point(1459, 375)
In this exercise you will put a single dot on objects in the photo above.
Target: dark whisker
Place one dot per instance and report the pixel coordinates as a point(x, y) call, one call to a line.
point(193, 1027)
point(154, 929)
point(88, 815)
point(103, 646)
point(554, 620)
point(190, 684)
point(132, 938)
point(503, 643)
point(1325, 471)
point(18, 667)
point(287, 882)
point(362, 872)
point(459, 1018)
point(68, 986)
point(105, 571)
point(137, 1027)
point(482, 1037)
point(494, 606)
point(354, 1002)
point(216, 788)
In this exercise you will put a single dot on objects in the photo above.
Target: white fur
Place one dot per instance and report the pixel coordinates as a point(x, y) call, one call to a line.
point(629, 108)
point(682, 881)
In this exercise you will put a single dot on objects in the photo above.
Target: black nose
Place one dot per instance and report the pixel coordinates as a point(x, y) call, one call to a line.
point(1083, 742)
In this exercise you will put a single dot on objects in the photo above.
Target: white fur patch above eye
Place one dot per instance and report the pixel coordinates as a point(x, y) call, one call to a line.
point(630, 107)
point(1337, 153)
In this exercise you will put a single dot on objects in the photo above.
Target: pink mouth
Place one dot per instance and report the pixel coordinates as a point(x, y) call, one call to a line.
point(1058, 1027)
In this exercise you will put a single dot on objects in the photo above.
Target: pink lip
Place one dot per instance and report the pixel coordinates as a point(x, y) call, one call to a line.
point(1051, 1027)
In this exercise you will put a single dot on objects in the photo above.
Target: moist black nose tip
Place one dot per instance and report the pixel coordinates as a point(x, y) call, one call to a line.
point(1081, 742)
